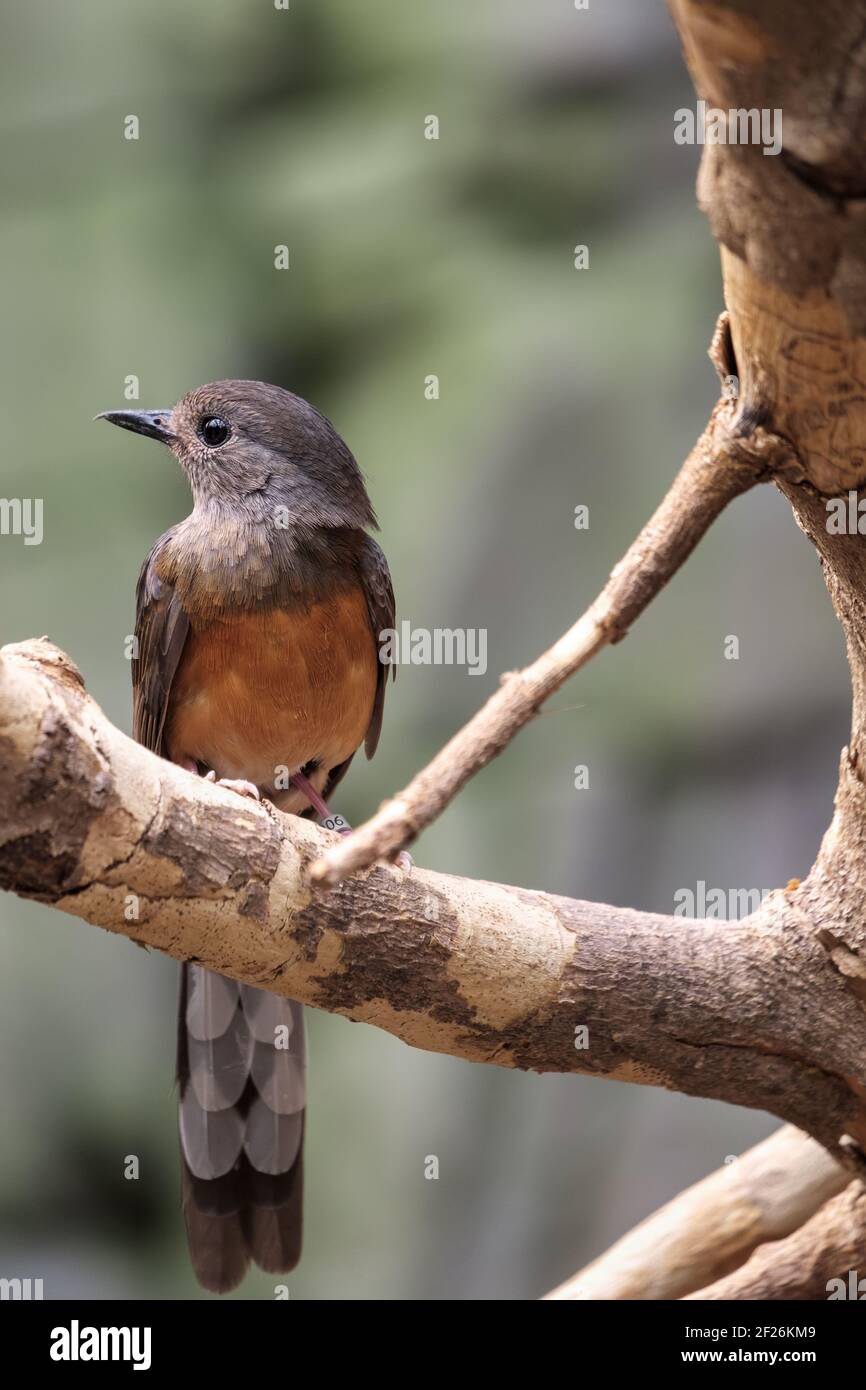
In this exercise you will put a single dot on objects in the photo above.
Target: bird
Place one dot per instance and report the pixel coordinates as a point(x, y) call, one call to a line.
point(257, 663)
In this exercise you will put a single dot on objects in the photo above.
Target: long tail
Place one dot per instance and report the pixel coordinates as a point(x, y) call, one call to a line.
point(241, 1072)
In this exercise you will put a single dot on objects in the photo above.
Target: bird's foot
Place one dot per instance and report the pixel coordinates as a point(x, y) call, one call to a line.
point(235, 784)
point(404, 861)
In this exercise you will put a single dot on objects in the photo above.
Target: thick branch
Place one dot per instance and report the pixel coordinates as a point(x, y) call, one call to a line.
point(712, 1228)
point(753, 1012)
point(731, 456)
point(791, 228)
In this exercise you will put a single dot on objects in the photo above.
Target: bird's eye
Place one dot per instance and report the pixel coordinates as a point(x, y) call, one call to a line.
point(214, 430)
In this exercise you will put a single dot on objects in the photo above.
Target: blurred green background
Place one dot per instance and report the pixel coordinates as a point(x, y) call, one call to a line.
point(558, 387)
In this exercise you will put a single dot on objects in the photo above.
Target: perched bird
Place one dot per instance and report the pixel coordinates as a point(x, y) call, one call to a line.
point(256, 665)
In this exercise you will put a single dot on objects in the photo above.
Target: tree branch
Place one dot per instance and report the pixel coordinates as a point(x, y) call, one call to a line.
point(832, 1246)
point(712, 1228)
point(754, 1012)
point(731, 456)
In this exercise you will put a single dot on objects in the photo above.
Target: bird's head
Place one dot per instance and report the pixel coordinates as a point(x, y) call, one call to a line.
point(249, 446)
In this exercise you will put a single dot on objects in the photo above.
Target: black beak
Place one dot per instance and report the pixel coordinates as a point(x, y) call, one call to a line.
point(153, 423)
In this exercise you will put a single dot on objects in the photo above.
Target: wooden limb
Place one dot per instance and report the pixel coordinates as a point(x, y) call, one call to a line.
point(754, 1012)
point(824, 1259)
point(712, 1228)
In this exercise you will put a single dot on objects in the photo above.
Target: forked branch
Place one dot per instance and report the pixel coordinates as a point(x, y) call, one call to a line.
point(733, 454)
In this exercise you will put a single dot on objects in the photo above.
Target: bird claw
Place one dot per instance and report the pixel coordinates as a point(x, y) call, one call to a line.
point(235, 784)
point(403, 860)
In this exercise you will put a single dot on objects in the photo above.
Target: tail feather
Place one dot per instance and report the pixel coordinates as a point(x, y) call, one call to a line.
point(274, 1228)
point(210, 1004)
point(241, 1075)
point(272, 1142)
point(217, 1246)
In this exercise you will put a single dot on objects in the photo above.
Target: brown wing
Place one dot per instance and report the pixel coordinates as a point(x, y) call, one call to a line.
point(376, 578)
point(161, 628)
point(379, 593)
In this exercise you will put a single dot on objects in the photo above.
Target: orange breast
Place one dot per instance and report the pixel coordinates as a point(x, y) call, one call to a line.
point(261, 692)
